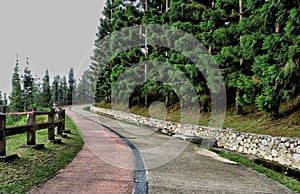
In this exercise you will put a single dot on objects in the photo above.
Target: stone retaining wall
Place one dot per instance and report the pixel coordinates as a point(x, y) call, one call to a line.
point(283, 150)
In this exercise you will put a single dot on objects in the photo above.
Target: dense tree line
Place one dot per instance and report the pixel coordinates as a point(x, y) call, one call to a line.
point(254, 42)
point(29, 92)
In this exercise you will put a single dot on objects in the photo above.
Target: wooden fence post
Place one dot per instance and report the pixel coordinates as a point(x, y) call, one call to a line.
point(66, 131)
point(3, 156)
point(31, 133)
point(63, 116)
point(61, 124)
point(2, 131)
point(51, 134)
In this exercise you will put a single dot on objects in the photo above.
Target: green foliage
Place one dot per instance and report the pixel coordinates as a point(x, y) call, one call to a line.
point(84, 91)
point(255, 44)
point(28, 92)
point(16, 120)
point(28, 89)
point(46, 90)
point(16, 97)
point(71, 89)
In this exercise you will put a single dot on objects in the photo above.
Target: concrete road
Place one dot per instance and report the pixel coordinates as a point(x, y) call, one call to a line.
point(175, 166)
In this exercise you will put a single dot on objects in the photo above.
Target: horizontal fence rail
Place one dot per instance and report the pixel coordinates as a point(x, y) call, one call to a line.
point(56, 119)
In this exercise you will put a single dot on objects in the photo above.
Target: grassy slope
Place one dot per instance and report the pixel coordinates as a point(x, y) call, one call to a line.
point(35, 166)
point(253, 122)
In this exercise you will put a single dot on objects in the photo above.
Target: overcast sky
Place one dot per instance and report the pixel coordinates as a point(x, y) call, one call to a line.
point(53, 34)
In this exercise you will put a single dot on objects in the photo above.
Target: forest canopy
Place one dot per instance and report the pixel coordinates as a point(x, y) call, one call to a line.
point(255, 44)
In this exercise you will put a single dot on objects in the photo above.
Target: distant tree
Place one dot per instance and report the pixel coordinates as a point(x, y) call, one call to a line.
point(5, 99)
point(84, 90)
point(72, 86)
point(37, 92)
point(55, 89)
point(28, 88)
point(1, 99)
point(46, 90)
point(16, 97)
point(64, 90)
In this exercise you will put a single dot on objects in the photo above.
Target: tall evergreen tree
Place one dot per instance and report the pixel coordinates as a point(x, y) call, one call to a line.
point(55, 89)
point(37, 92)
point(276, 64)
point(84, 91)
point(1, 99)
point(5, 100)
point(72, 86)
point(117, 14)
point(16, 96)
point(46, 90)
point(64, 90)
point(28, 88)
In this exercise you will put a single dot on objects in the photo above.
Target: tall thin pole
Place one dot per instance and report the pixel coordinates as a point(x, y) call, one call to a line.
point(146, 52)
point(167, 5)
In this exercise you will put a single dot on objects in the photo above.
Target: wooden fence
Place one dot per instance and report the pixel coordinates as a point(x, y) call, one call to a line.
point(31, 127)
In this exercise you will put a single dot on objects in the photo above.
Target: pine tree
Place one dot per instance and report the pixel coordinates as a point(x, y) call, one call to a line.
point(275, 66)
point(84, 91)
point(16, 97)
point(117, 14)
point(1, 99)
point(37, 92)
point(64, 90)
point(72, 86)
point(28, 87)
point(46, 90)
point(5, 99)
point(55, 89)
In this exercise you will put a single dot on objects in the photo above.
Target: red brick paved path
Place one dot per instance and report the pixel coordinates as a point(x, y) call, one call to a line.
point(91, 171)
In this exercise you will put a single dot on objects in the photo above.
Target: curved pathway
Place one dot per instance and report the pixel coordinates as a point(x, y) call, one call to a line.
point(192, 171)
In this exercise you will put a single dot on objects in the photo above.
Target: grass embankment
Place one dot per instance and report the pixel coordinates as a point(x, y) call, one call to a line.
point(35, 166)
point(289, 182)
point(253, 121)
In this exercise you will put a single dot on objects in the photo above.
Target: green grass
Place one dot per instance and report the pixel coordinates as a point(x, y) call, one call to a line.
point(35, 166)
point(289, 182)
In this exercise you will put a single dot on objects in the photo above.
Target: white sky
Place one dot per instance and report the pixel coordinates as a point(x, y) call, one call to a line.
point(54, 34)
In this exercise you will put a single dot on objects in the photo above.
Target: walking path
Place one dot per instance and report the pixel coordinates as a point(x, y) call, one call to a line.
point(172, 165)
point(89, 174)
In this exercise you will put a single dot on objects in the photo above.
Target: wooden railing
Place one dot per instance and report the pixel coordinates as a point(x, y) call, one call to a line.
point(31, 127)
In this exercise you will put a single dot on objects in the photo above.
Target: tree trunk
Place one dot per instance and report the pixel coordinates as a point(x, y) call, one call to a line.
point(167, 99)
point(139, 98)
point(209, 46)
point(276, 105)
point(275, 112)
point(239, 108)
point(204, 106)
point(146, 100)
